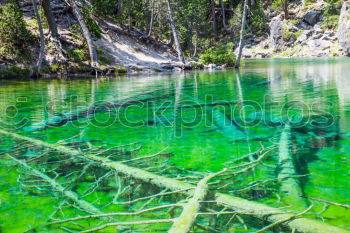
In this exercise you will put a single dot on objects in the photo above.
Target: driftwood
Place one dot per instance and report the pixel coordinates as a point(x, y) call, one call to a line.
point(255, 209)
point(290, 186)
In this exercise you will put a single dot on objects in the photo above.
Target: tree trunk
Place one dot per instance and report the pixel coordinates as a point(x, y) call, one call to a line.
point(213, 16)
point(86, 32)
point(185, 221)
point(50, 18)
point(54, 33)
point(241, 39)
point(152, 18)
point(285, 9)
point(176, 38)
point(119, 7)
point(42, 39)
point(223, 13)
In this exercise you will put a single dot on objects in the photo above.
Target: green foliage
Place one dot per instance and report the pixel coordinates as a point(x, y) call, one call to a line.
point(331, 14)
point(94, 29)
point(14, 72)
point(104, 7)
point(287, 35)
point(78, 55)
point(220, 54)
point(257, 19)
point(330, 22)
point(277, 5)
point(120, 69)
point(55, 67)
point(103, 59)
point(14, 36)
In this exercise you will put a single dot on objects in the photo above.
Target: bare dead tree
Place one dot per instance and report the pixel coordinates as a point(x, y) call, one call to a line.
point(152, 18)
point(241, 39)
point(42, 39)
point(175, 36)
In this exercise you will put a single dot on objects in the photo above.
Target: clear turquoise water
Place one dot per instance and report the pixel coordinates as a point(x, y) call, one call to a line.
point(199, 143)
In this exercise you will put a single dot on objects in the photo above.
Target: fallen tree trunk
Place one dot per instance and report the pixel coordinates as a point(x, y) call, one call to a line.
point(63, 118)
point(255, 209)
point(86, 206)
point(184, 222)
point(290, 186)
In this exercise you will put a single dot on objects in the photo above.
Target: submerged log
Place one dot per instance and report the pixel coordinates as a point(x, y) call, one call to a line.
point(63, 118)
point(290, 185)
point(238, 204)
point(184, 222)
point(224, 125)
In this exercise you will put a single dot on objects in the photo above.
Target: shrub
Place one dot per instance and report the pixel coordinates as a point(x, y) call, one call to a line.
point(257, 19)
point(78, 55)
point(220, 54)
point(14, 36)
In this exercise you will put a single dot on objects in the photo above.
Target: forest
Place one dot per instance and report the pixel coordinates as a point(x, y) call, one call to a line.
point(116, 36)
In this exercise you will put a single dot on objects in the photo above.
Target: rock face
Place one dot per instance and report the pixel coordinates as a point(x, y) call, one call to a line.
point(312, 17)
point(275, 39)
point(344, 28)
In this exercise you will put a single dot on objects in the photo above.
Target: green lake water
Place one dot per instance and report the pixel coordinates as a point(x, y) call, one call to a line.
point(259, 100)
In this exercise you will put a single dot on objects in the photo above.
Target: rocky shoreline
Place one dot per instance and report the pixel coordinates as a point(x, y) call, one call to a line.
point(303, 36)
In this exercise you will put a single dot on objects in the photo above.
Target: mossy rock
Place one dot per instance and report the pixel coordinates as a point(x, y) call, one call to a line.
point(113, 69)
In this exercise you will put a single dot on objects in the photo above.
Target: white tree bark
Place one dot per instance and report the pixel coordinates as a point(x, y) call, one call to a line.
point(42, 39)
point(86, 33)
point(176, 38)
point(152, 18)
point(241, 39)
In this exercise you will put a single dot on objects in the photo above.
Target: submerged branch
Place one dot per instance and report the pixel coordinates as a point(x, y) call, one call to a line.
point(86, 206)
point(144, 222)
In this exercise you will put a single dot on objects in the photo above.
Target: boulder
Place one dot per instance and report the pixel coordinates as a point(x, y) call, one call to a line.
point(275, 38)
point(304, 36)
point(304, 26)
point(312, 17)
point(344, 28)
